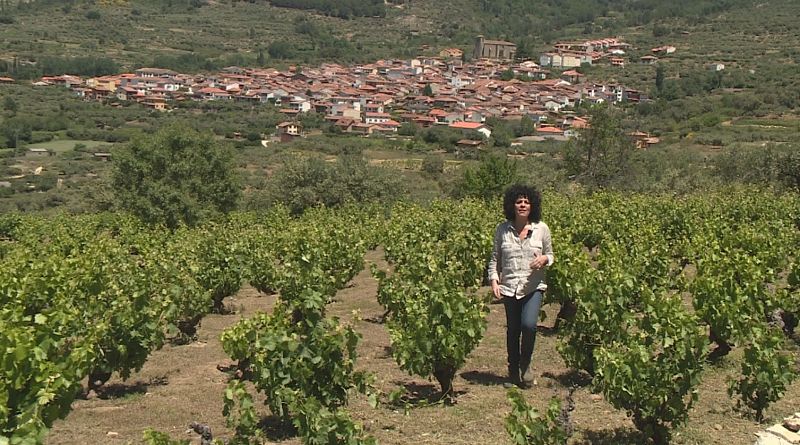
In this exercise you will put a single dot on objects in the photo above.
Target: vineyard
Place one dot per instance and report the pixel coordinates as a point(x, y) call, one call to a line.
point(650, 297)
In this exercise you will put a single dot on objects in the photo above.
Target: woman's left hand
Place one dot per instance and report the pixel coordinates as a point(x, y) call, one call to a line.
point(539, 262)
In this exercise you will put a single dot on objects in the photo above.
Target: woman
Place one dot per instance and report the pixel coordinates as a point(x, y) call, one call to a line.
point(522, 250)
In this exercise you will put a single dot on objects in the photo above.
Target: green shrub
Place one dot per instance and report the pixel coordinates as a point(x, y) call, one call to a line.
point(41, 136)
point(526, 426)
point(766, 372)
point(304, 183)
point(433, 164)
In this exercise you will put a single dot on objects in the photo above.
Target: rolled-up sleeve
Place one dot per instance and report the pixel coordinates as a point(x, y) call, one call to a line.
point(547, 246)
point(492, 272)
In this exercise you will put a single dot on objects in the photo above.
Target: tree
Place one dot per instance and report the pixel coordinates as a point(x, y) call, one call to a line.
point(525, 127)
point(659, 78)
point(789, 168)
point(502, 136)
point(16, 129)
point(407, 129)
point(9, 104)
point(769, 165)
point(433, 164)
point(525, 50)
point(660, 30)
point(304, 183)
point(602, 153)
point(280, 50)
point(489, 179)
point(176, 176)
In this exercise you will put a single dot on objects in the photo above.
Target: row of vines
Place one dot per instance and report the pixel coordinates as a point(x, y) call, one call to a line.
point(661, 287)
point(83, 297)
point(652, 290)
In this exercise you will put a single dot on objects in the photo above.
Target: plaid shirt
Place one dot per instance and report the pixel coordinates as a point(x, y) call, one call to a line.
point(510, 263)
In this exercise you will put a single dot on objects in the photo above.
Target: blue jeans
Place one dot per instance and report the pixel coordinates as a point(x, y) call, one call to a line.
point(521, 318)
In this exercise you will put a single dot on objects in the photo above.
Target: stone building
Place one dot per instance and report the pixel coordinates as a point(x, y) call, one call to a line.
point(493, 49)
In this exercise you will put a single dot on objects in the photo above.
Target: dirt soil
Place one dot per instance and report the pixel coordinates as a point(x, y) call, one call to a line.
point(181, 384)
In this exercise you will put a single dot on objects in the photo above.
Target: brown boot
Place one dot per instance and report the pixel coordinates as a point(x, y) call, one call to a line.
point(513, 377)
point(526, 377)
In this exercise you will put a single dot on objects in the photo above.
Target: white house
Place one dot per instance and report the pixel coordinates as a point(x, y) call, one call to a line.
point(288, 128)
point(472, 126)
point(301, 105)
point(552, 105)
point(376, 118)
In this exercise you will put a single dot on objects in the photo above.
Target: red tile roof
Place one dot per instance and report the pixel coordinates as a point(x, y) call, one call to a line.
point(467, 125)
point(551, 130)
point(210, 90)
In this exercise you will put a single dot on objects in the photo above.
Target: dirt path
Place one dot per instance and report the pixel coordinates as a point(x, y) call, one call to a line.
point(181, 384)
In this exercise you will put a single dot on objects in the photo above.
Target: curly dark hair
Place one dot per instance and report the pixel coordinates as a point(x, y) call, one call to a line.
point(520, 190)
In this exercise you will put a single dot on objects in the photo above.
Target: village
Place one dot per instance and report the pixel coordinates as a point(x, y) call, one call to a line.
point(379, 97)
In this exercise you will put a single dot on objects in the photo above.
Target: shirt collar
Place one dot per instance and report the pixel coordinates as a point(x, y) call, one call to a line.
point(529, 224)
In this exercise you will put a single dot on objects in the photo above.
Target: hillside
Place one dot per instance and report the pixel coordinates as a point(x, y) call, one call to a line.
point(756, 41)
point(41, 35)
point(696, 113)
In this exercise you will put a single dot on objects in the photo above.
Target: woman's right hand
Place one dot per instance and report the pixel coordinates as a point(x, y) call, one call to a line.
point(496, 290)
